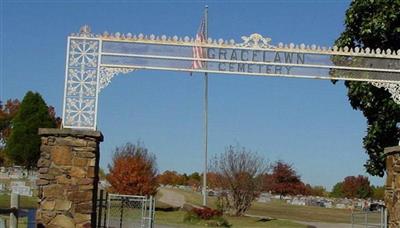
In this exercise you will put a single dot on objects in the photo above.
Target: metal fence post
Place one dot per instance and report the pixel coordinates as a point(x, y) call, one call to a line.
point(151, 212)
point(122, 212)
point(14, 203)
point(100, 206)
point(385, 217)
point(105, 210)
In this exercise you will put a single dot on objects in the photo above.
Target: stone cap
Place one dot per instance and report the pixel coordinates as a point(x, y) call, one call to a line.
point(392, 150)
point(71, 132)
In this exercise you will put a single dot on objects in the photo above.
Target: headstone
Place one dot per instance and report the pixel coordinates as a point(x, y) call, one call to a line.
point(22, 190)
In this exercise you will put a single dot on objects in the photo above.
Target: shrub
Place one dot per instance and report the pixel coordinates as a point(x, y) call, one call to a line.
point(206, 216)
point(206, 213)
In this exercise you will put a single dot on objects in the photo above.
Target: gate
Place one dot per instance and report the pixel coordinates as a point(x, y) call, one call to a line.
point(128, 211)
point(369, 219)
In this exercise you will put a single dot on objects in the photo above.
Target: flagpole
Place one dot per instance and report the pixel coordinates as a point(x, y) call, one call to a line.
point(205, 114)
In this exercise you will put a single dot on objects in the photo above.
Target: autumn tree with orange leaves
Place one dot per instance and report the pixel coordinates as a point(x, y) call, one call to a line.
point(133, 171)
point(284, 180)
point(171, 178)
point(7, 113)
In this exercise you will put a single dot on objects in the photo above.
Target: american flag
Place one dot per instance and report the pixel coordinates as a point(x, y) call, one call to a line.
point(198, 51)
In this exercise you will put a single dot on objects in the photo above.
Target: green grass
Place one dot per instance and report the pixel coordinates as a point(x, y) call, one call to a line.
point(24, 201)
point(280, 210)
point(175, 218)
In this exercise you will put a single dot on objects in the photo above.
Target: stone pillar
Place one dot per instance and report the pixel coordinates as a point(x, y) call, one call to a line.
point(68, 177)
point(392, 192)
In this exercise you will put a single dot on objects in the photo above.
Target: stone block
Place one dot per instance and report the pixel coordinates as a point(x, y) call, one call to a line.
point(62, 205)
point(80, 162)
point(389, 162)
point(40, 182)
point(48, 205)
point(71, 141)
point(84, 208)
point(389, 181)
point(84, 225)
point(51, 140)
point(77, 172)
point(81, 218)
point(396, 169)
point(397, 184)
point(92, 162)
point(53, 191)
point(55, 171)
point(86, 155)
point(72, 188)
point(91, 172)
point(62, 221)
point(45, 149)
point(86, 187)
point(64, 180)
point(46, 177)
point(43, 170)
point(80, 196)
point(45, 155)
point(85, 181)
point(61, 155)
point(43, 163)
point(47, 216)
point(43, 141)
point(92, 144)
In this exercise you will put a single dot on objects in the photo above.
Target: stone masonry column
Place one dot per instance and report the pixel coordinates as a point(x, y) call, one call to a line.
point(68, 177)
point(392, 192)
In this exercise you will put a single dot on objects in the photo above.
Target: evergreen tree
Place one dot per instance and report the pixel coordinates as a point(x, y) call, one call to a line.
point(23, 145)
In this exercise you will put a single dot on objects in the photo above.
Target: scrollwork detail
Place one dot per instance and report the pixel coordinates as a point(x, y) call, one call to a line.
point(256, 41)
point(392, 88)
point(107, 73)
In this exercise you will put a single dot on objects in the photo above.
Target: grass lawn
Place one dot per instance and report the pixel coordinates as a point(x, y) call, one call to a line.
point(24, 201)
point(280, 210)
point(175, 218)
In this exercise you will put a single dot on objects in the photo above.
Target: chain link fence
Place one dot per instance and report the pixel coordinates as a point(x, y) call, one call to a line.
point(369, 219)
point(127, 211)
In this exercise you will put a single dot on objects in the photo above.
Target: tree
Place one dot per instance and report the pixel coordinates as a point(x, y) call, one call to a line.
point(194, 180)
point(7, 113)
point(239, 170)
point(23, 144)
point(285, 181)
point(133, 171)
point(102, 174)
point(170, 178)
point(195, 176)
point(317, 190)
point(337, 191)
point(374, 24)
point(356, 187)
point(378, 192)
